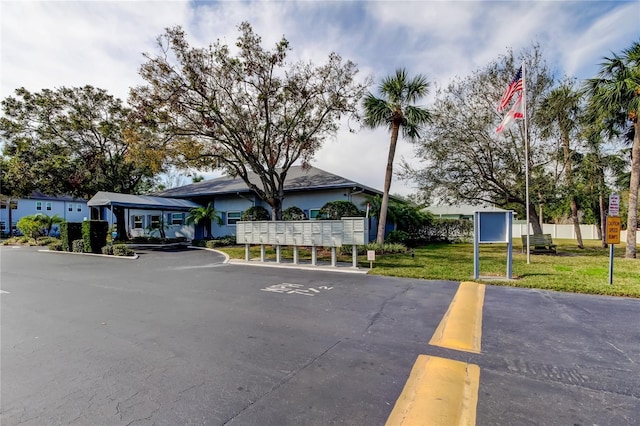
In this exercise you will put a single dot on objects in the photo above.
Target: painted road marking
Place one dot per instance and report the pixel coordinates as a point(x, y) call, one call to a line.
point(289, 288)
point(461, 326)
point(439, 391)
point(5, 292)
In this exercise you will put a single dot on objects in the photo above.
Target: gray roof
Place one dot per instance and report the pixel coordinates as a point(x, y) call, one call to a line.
point(460, 209)
point(144, 202)
point(298, 179)
point(37, 195)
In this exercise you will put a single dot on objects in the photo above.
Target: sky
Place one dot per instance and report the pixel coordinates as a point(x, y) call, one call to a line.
point(50, 44)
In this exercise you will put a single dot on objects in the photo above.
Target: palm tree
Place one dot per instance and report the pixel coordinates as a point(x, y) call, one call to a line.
point(47, 221)
point(560, 114)
point(395, 111)
point(204, 215)
point(615, 102)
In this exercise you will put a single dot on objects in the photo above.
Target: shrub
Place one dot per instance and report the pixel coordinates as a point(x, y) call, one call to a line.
point(397, 237)
point(107, 250)
point(55, 245)
point(228, 240)
point(336, 210)
point(48, 240)
point(30, 226)
point(70, 231)
point(122, 250)
point(94, 235)
point(256, 213)
point(386, 248)
point(293, 213)
point(199, 243)
point(77, 246)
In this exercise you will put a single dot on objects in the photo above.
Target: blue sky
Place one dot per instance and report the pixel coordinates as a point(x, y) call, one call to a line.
point(63, 43)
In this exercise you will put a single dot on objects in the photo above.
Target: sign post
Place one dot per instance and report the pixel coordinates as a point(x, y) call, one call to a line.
point(371, 256)
point(613, 229)
point(492, 227)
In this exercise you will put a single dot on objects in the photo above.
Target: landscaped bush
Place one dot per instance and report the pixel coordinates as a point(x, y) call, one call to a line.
point(45, 241)
point(256, 213)
point(386, 248)
point(108, 250)
point(94, 235)
point(336, 210)
point(55, 245)
point(122, 250)
point(293, 213)
point(397, 237)
point(77, 246)
point(69, 232)
point(199, 243)
point(228, 240)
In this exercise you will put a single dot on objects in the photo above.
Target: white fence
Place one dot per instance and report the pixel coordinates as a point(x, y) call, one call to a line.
point(567, 231)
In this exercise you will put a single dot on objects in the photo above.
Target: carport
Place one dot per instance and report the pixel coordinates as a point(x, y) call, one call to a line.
point(114, 202)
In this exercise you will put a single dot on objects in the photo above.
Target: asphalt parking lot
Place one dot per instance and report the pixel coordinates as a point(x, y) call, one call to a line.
point(178, 337)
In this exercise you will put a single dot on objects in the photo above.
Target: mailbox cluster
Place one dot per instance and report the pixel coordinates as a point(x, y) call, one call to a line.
point(352, 231)
point(321, 233)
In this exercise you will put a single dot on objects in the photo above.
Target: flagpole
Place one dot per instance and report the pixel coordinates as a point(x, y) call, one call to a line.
point(526, 155)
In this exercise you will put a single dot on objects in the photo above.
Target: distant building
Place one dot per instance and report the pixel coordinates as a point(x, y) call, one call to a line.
point(69, 208)
point(460, 211)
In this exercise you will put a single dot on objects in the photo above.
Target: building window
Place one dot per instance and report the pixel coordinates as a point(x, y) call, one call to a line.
point(79, 207)
point(176, 218)
point(155, 222)
point(137, 222)
point(233, 217)
point(70, 208)
point(48, 204)
point(314, 214)
point(39, 205)
point(3, 226)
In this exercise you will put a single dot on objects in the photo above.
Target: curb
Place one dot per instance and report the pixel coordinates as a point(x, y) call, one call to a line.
point(134, 257)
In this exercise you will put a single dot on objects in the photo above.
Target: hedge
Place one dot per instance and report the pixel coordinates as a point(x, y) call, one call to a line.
point(94, 235)
point(69, 232)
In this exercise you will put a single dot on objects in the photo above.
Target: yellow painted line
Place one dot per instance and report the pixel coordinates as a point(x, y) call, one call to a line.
point(461, 326)
point(438, 392)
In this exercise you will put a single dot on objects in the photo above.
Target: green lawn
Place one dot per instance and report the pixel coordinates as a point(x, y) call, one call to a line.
point(572, 270)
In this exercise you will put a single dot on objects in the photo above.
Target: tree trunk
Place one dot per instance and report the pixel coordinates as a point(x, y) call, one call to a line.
point(382, 218)
point(632, 217)
point(576, 222)
point(568, 165)
point(602, 228)
point(534, 220)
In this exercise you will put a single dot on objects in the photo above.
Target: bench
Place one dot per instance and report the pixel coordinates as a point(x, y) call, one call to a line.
point(540, 243)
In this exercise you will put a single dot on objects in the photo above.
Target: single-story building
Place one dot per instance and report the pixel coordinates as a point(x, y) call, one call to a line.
point(307, 188)
point(145, 215)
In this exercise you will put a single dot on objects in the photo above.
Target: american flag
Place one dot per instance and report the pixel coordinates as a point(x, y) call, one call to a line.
point(514, 87)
